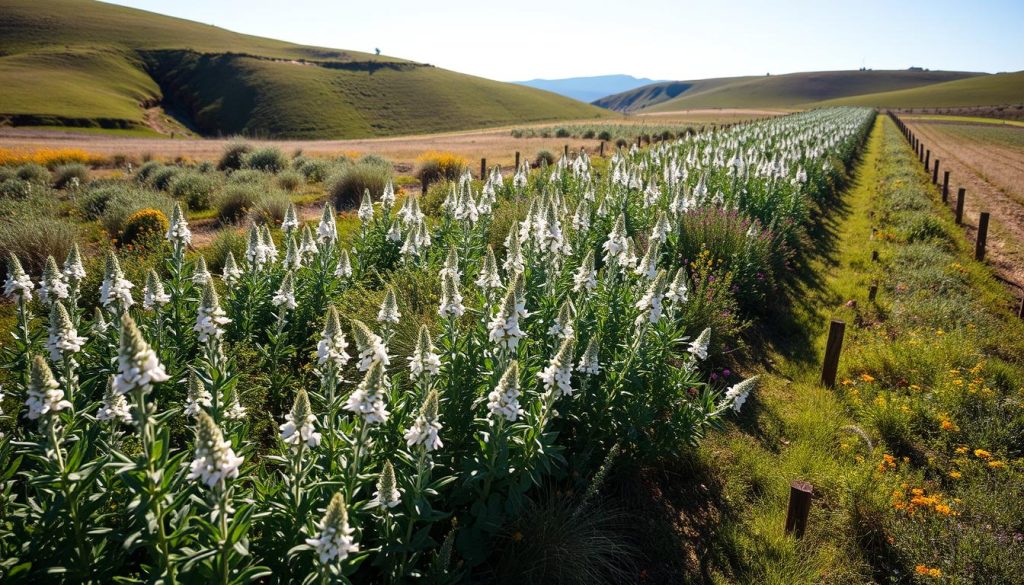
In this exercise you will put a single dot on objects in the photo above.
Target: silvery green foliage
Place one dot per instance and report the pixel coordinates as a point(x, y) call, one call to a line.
point(322, 415)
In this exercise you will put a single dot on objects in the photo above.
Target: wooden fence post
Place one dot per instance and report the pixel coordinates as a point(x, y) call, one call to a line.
point(483, 169)
point(517, 160)
point(833, 347)
point(424, 184)
point(874, 255)
point(800, 493)
point(872, 291)
point(565, 150)
point(979, 248)
point(927, 159)
point(601, 151)
point(960, 194)
point(945, 186)
point(935, 173)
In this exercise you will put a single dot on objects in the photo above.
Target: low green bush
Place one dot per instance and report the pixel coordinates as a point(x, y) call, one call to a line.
point(146, 170)
point(15, 189)
point(162, 177)
point(373, 159)
point(248, 177)
point(431, 201)
point(195, 189)
point(268, 159)
point(290, 180)
point(315, 170)
point(34, 173)
point(544, 158)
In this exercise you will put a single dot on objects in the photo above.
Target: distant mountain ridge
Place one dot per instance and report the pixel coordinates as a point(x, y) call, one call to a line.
point(91, 64)
point(588, 89)
point(794, 90)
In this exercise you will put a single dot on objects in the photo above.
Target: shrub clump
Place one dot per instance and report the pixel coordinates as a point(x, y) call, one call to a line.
point(544, 158)
point(34, 173)
point(143, 225)
point(315, 170)
point(146, 170)
point(69, 175)
point(233, 157)
point(248, 177)
point(195, 189)
point(269, 159)
point(347, 188)
point(15, 189)
point(373, 159)
point(290, 180)
point(162, 177)
point(235, 202)
point(431, 201)
point(114, 205)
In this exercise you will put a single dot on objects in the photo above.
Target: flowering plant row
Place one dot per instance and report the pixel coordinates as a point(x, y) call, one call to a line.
point(407, 437)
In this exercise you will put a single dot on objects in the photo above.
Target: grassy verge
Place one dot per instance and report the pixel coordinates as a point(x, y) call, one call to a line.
point(915, 458)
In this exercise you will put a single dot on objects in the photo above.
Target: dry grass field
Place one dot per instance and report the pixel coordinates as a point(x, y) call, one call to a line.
point(497, 145)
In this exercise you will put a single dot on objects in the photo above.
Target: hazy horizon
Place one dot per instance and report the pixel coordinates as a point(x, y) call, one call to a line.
point(656, 39)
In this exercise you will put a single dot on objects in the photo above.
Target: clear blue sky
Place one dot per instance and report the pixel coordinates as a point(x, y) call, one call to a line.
point(662, 39)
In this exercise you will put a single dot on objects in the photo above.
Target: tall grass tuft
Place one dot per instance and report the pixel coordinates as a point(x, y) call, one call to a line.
point(233, 156)
point(236, 201)
point(346, 189)
point(33, 238)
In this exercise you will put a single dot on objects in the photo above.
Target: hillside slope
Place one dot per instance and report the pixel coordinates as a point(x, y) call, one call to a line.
point(85, 63)
point(656, 93)
point(774, 91)
point(588, 89)
point(989, 90)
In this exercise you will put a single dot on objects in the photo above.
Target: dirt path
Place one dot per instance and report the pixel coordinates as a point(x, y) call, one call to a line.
point(993, 176)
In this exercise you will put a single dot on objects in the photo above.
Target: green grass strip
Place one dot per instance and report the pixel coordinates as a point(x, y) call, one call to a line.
point(930, 373)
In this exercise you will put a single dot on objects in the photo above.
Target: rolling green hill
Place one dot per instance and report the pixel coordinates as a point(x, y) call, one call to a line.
point(656, 93)
point(85, 63)
point(988, 90)
point(775, 91)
